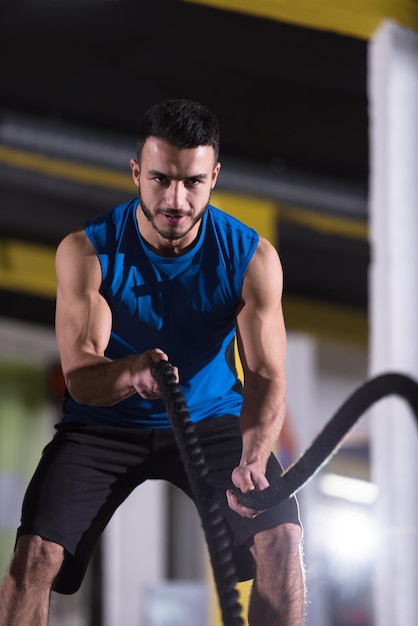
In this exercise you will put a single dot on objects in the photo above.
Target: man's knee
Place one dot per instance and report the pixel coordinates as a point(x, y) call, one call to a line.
point(283, 541)
point(36, 560)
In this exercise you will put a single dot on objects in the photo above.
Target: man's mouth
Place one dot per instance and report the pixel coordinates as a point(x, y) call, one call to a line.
point(173, 218)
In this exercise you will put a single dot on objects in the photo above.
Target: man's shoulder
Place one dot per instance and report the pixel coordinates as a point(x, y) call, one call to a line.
point(227, 219)
point(113, 215)
point(235, 241)
point(104, 230)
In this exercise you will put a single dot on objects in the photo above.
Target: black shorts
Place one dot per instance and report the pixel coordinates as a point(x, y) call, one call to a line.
point(86, 472)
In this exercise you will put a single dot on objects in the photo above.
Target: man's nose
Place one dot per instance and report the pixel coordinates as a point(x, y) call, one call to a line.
point(176, 194)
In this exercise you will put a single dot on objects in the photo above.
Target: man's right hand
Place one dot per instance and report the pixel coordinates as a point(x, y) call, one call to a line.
point(141, 373)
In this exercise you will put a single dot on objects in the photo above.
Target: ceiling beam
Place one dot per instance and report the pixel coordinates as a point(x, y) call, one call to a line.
point(68, 158)
point(356, 18)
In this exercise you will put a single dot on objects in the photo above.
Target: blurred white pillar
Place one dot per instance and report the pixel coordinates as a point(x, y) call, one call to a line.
point(134, 555)
point(393, 97)
point(302, 403)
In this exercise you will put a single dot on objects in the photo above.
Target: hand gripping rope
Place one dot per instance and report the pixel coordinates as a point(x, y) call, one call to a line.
point(296, 476)
point(331, 437)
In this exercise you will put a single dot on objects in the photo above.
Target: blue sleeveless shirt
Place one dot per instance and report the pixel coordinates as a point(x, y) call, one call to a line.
point(185, 305)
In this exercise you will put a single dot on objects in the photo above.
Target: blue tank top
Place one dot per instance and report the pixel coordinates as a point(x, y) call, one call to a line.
point(184, 305)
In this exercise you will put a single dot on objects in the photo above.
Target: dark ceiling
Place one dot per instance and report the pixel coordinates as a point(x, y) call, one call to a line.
point(286, 96)
point(290, 100)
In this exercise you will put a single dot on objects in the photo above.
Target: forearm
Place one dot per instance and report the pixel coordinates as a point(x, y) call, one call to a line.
point(101, 382)
point(261, 420)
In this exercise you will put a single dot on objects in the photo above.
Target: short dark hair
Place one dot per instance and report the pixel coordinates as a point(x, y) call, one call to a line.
point(181, 123)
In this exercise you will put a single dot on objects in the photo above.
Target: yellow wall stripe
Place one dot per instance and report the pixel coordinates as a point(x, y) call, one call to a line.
point(356, 18)
point(260, 214)
point(28, 268)
point(67, 170)
point(322, 319)
point(327, 224)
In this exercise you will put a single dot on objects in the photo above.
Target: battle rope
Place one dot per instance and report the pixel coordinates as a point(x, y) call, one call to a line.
point(296, 476)
point(331, 437)
point(213, 523)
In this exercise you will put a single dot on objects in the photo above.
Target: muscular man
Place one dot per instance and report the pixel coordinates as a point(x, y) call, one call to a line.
point(166, 275)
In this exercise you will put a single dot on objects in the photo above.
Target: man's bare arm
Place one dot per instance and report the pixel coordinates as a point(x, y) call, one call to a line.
point(83, 325)
point(262, 345)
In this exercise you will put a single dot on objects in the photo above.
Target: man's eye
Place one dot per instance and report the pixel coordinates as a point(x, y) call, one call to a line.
point(161, 180)
point(193, 182)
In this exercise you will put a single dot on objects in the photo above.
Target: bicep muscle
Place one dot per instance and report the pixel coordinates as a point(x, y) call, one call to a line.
point(83, 318)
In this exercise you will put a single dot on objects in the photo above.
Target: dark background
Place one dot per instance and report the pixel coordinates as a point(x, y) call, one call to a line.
point(292, 104)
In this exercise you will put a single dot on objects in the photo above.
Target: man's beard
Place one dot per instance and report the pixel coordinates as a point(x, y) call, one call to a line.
point(173, 233)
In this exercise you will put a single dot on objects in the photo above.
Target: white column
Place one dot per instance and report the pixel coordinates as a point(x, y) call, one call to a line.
point(302, 403)
point(134, 555)
point(393, 96)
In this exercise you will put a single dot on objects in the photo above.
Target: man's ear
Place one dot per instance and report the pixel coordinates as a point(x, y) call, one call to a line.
point(135, 169)
point(215, 174)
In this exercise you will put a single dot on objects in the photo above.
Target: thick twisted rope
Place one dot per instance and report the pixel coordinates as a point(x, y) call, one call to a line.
point(331, 437)
point(213, 523)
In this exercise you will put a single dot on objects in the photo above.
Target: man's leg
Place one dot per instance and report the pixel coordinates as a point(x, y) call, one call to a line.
point(278, 594)
point(26, 588)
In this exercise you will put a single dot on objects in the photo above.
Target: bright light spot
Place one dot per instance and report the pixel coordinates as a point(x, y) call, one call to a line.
point(348, 488)
point(349, 538)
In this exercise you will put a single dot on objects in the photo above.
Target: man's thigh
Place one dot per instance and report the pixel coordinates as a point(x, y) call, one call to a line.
point(84, 474)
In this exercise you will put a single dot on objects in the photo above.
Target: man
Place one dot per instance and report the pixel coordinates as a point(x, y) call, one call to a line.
point(166, 275)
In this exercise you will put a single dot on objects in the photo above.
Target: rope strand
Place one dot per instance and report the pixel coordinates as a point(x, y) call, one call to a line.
point(331, 438)
point(213, 523)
